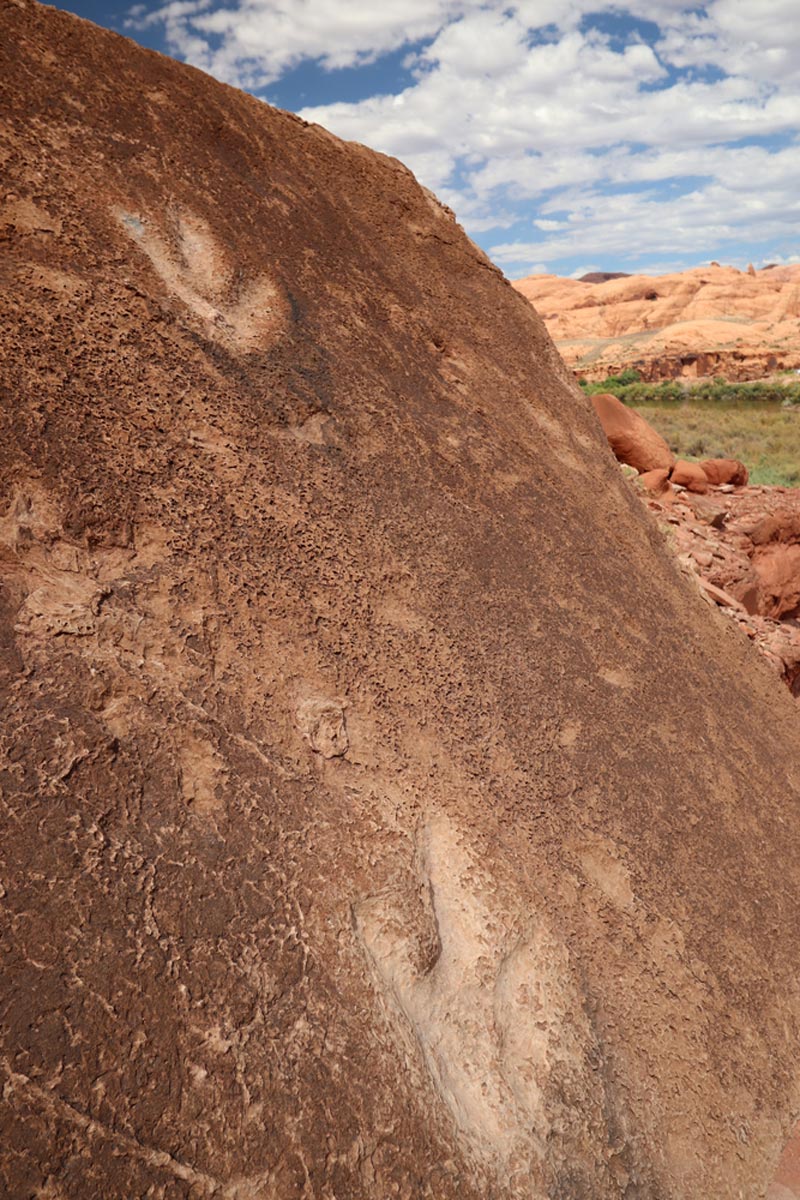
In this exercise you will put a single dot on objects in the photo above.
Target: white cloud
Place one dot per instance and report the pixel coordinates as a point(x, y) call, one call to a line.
point(757, 40)
point(529, 113)
point(260, 39)
point(633, 224)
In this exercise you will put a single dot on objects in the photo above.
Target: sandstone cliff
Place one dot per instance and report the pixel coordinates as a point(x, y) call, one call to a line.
point(384, 814)
point(709, 321)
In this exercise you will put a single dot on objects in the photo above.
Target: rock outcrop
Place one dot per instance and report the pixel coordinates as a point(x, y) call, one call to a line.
point(719, 471)
point(708, 321)
point(689, 475)
point(636, 444)
point(384, 813)
point(746, 550)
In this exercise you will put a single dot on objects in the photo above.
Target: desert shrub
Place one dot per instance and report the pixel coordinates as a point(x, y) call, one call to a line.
point(637, 392)
point(716, 391)
point(625, 377)
point(765, 437)
point(613, 382)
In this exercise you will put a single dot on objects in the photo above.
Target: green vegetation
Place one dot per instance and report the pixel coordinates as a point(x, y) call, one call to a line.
point(630, 388)
point(758, 423)
point(765, 437)
point(613, 382)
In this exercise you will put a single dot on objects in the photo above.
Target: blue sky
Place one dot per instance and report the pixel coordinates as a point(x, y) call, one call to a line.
point(567, 135)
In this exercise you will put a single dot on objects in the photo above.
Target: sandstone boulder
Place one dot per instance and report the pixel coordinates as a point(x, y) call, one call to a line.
point(719, 471)
point(775, 556)
point(630, 436)
point(782, 526)
point(690, 475)
point(656, 482)
point(745, 544)
point(778, 571)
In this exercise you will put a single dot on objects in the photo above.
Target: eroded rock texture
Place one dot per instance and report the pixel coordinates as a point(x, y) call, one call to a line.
point(354, 841)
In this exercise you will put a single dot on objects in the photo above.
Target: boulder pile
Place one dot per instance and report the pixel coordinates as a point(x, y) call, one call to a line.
point(741, 542)
point(756, 581)
point(636, 443)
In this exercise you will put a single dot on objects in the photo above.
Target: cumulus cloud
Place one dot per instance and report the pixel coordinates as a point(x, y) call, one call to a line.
point(758, 40)
point(252, 42)
point(589, 129)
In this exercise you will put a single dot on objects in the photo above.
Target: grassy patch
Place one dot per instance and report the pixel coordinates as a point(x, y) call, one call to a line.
point(716, 419)
point(765, 437)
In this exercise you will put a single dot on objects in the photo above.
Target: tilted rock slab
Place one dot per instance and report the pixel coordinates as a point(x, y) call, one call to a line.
point(354, 844)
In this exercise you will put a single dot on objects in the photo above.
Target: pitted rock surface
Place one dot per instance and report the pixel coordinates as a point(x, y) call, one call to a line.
point(513, 911)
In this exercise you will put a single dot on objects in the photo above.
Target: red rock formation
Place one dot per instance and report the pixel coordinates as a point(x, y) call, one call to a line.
point(768, 580)
point(632, 439)
point(744, 546)
point(383, 814)
point(776, 560)
point(637, 444)
point(689, 475)
point(778, 572)
point(782, 526)
point(708, 321)
point(725, 470)
point(656, 481)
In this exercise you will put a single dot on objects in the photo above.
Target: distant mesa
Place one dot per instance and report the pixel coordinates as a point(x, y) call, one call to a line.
point(602, 276)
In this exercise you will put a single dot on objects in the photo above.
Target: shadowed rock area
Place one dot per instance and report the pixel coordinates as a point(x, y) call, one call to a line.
point(384, 814)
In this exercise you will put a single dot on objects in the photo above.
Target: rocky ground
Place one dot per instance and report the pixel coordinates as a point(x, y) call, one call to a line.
point(708, 321)
point(742, 545)
point(740, 542)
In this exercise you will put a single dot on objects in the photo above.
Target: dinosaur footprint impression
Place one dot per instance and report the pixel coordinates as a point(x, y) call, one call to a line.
point(194, 267)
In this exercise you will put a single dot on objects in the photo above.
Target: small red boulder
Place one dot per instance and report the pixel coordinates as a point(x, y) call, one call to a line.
point(656, 482)
point(630, 437)
point(725, 470)
point(689, 475)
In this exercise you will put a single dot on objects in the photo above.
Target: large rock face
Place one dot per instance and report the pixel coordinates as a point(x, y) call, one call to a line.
point(708, 321)
point(384, 815)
